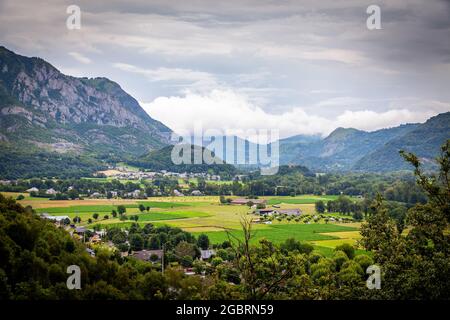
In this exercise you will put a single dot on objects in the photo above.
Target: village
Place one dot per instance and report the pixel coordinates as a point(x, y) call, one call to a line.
point(129, 173)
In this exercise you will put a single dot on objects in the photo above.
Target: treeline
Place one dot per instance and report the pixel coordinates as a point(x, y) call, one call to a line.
point(393, 187)
point(363, 208)
point(23, 165)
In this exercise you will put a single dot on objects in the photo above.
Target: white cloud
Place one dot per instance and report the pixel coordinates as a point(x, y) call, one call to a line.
point(371, 120)
point(167, 74)
point(231, 111)
point(79, 57)
point(173, 76)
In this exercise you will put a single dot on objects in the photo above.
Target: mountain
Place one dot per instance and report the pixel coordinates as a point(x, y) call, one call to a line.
point(348, 149)
point(162, 160)
point(57, 125)
point(424, 141)
point(43, 109)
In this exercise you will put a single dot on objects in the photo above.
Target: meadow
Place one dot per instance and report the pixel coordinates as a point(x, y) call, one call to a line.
point(206, 215)
point(280, 232)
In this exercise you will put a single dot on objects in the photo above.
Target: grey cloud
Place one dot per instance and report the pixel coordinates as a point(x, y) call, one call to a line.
point(281, 54)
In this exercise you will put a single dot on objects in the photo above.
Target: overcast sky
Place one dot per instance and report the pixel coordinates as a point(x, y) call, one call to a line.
point(303, 67)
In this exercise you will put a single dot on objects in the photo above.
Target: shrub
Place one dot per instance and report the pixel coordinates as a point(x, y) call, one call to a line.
point(339, 258)
point(364, 261)
point(347, 248)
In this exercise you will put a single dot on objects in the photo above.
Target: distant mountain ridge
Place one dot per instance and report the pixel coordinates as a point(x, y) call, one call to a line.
point(424, 141)
point(348, 149)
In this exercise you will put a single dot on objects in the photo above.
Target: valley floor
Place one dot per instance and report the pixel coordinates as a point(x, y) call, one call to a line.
point(205, 214)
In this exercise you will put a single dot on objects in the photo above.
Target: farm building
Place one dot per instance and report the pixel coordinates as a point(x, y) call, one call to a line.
point(265, 211)
point(145, 255)
point(95, 239)
point(54, 218)
point(196, 193)
point(177, 193)
point(206, 254)
point(243, 201)
point(80, 230)
point(51, 191)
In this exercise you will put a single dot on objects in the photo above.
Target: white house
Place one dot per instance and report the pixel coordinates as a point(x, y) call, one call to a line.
point(33, 189)
point(196, 193)
point(51, 191)
point(178, 193)
point(206, 254)
point(54, 218)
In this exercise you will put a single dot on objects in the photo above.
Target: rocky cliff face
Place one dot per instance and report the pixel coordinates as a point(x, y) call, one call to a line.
point(43, 108)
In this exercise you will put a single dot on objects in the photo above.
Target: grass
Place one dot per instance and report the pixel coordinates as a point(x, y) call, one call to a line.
point(80, 209)
point(205, 214)
point(281, 232)
point(14, 195)
point(159, 204)
point(155, 216)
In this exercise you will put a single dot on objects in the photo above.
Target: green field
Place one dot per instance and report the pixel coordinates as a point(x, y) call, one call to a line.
point(108, 208)
point(206, 215)
point(155, 216)
point(280, 232)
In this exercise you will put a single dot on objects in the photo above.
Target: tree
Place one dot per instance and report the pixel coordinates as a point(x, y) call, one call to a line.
point(106, 217)
point(141, 207)
point(415, 266)
point(187, 261)
point(184, 248)
point(73, 194)
point(203, 241)
point(114, 213)
point(147, 208)
point(119, 238)
point(136, 242)
point(291, 244)
point(263, 268)
point(320, 206)
point(330, 206)
point(95, 216)
point(358, 216)
point(76, 219)
point(20, 197)
point(216, 261)
point(154, 257)
point(347, 248)
point(260, 206)
point(199, 266)
point(123, 247)
point(121, 209)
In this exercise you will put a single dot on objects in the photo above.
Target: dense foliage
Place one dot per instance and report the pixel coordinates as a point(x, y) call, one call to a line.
point(415, 265)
